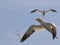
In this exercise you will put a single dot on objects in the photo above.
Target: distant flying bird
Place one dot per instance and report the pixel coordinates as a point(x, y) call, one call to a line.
point(35, 28)
point(43, 12)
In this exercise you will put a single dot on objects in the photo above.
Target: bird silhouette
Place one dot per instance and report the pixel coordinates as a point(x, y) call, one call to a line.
point(43, 12)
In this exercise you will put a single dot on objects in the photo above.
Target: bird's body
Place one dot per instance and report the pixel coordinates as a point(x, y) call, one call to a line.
point(35, 28)
point(43, 12)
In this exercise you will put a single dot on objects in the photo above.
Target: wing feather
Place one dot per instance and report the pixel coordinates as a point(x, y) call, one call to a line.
point(51, 10)
point(36, 10)
point(31, 30)
point(54, 31)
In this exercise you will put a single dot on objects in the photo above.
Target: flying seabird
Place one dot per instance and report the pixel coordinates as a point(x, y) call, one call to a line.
point(43, 12)
point(35, 28)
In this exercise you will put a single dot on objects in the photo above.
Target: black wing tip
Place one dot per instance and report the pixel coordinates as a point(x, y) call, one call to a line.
point(53, 10)
point(21, 40)
point(54, 35)
point(26, 36)
point(32, 11)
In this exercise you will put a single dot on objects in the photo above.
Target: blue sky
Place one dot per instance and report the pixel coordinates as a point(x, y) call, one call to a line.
point(15, 14)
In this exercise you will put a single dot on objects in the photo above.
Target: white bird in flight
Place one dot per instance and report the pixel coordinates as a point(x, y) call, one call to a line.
point(43, 12)
point(35, 28)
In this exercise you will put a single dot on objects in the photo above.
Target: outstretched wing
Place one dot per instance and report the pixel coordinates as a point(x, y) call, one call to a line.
point(54, 31)
point(36, 10)
point(51, 10)
point(31, 30)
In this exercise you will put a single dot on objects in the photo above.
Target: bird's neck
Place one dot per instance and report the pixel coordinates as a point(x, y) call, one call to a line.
point(43, 10)
point(42, 21)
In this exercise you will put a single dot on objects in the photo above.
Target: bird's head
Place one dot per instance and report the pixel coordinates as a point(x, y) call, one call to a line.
point(39, 19)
